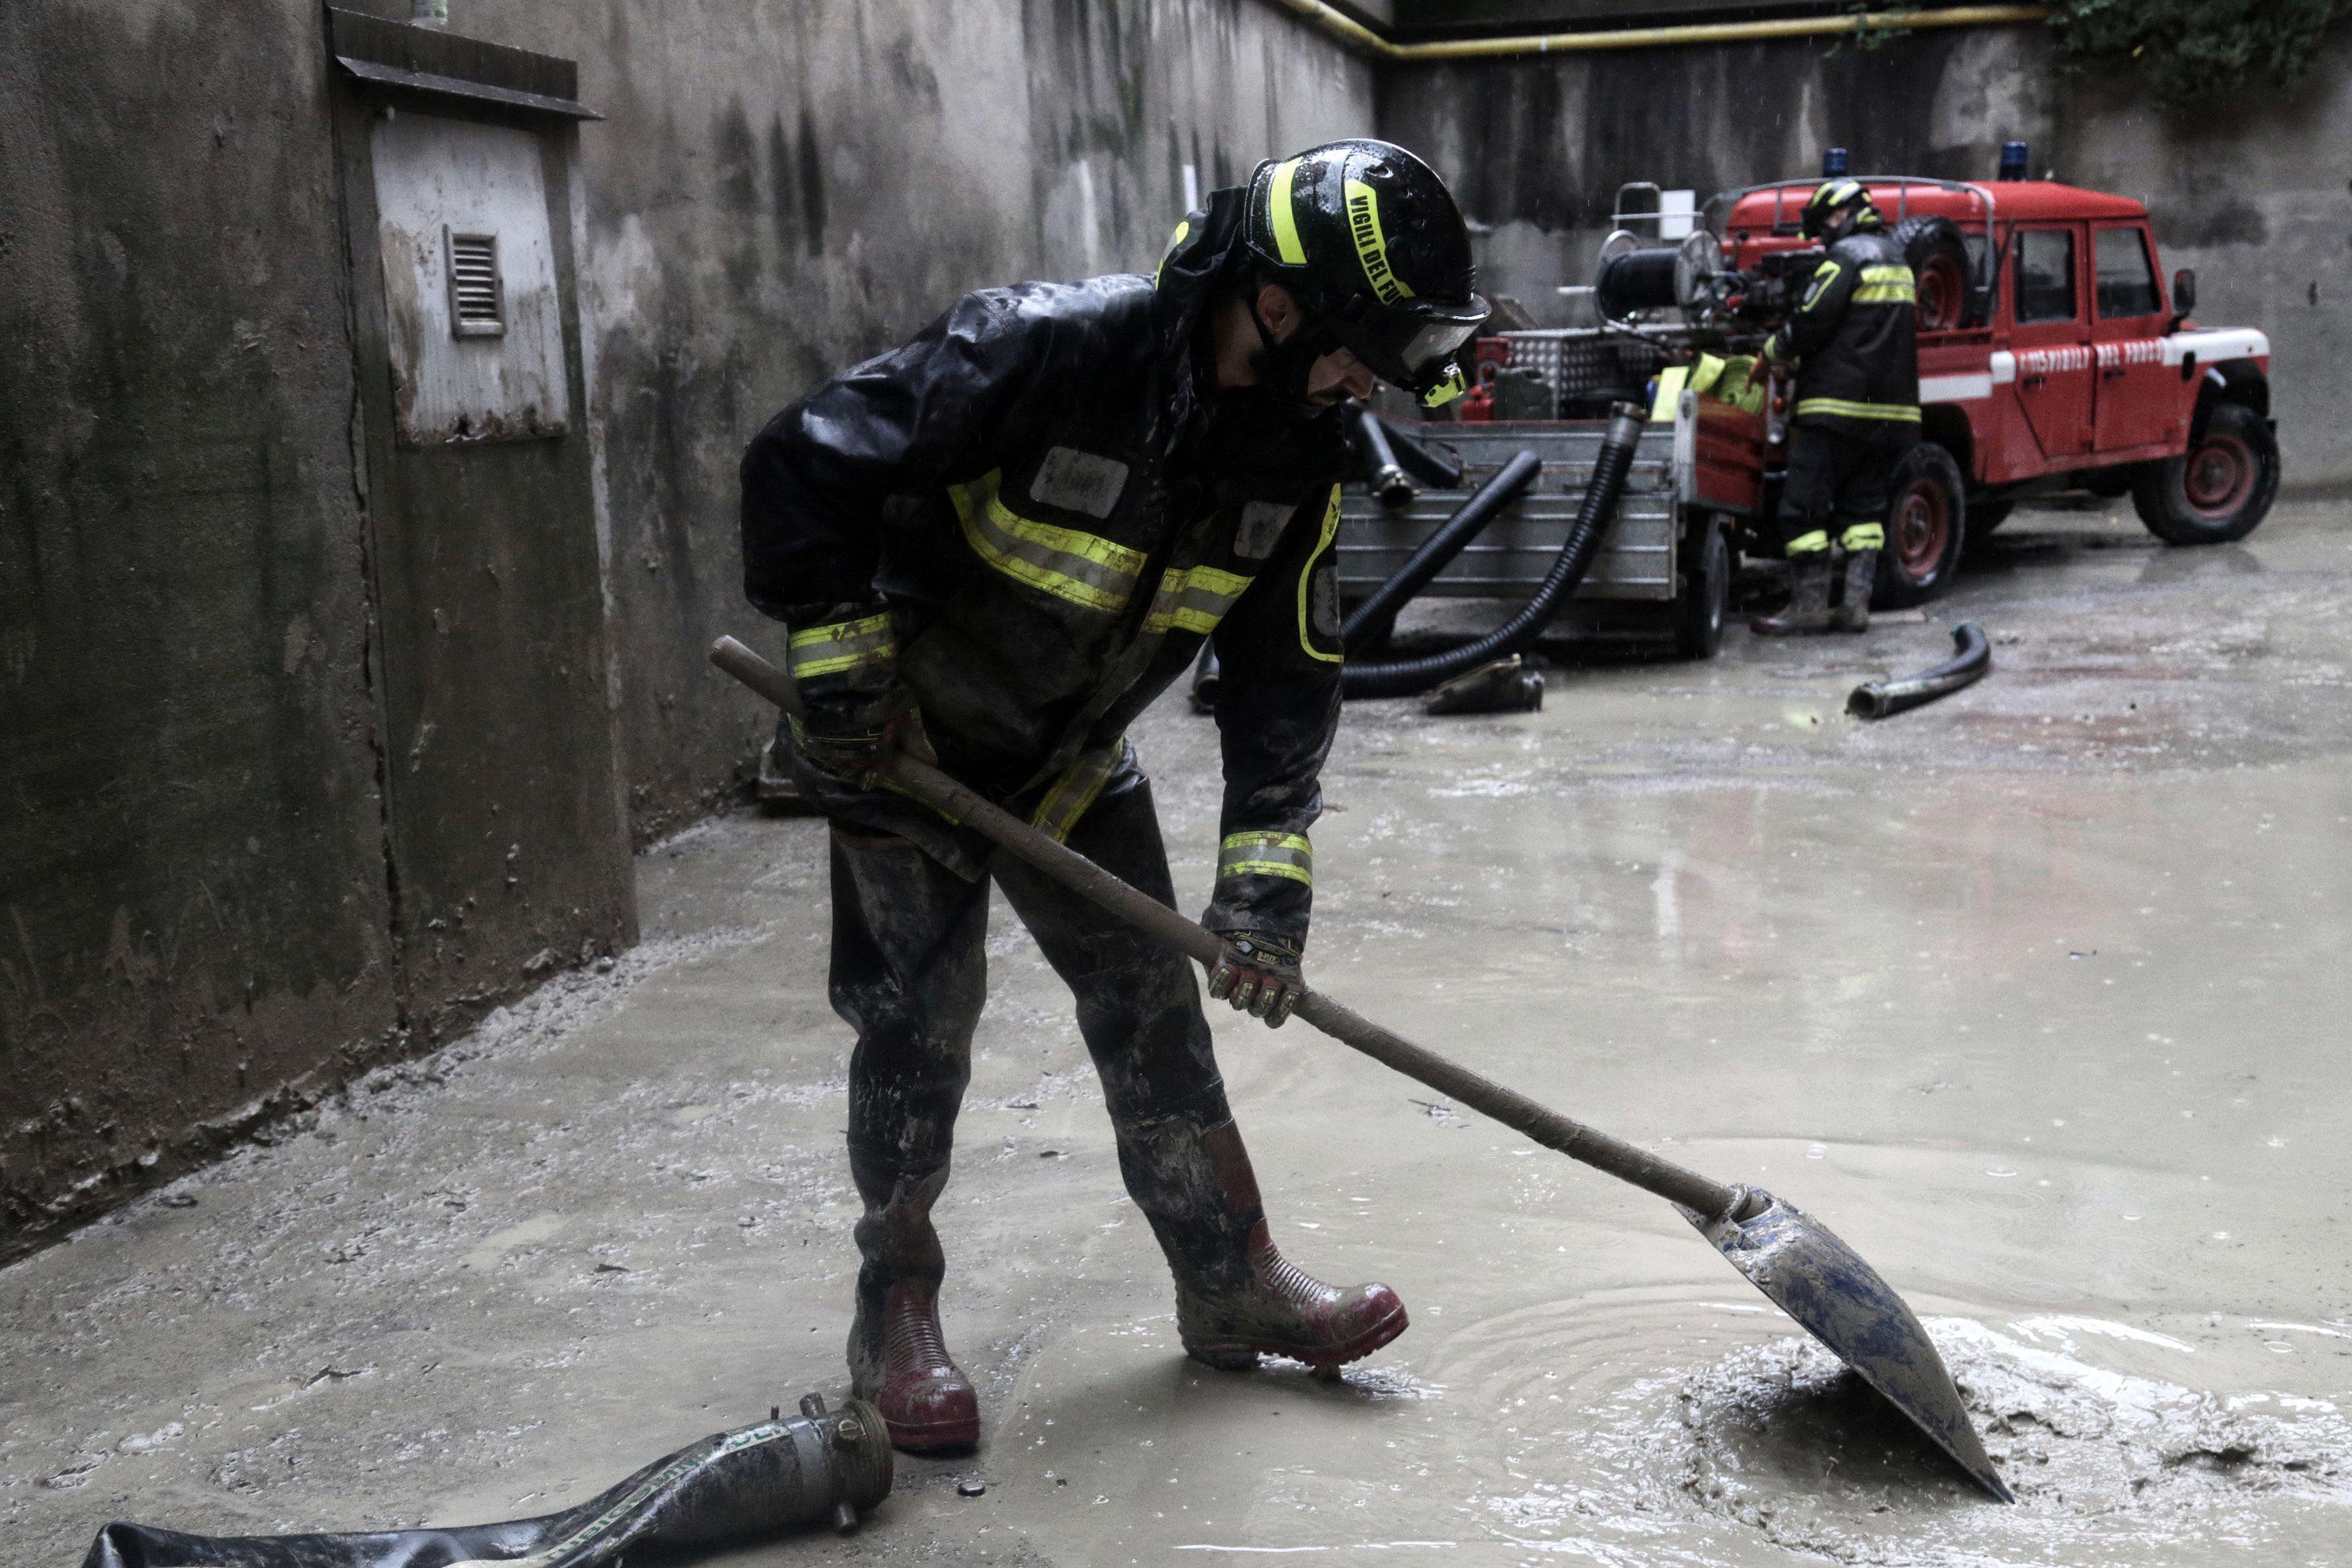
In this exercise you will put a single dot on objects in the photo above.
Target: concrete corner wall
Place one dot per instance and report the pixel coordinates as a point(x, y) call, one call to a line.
point(780, 190)
point(193, 906)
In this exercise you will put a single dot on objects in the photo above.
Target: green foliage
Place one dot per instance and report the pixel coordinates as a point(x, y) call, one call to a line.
point(2193, 51)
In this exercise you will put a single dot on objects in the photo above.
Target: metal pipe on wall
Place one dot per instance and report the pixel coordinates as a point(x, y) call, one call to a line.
point(1354, 34)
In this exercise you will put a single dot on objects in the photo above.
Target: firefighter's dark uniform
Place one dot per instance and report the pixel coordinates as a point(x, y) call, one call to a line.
point(1854, 337)
point(1029, 517)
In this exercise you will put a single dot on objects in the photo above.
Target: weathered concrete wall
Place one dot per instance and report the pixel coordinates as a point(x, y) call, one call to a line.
point(192, 905)
point(2256, 195)
point(782, 190)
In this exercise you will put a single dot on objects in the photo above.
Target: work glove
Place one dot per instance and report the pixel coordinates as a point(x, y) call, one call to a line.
point(1259, 975)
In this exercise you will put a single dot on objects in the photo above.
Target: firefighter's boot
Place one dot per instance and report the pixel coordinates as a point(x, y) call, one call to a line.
point(1236, 1297)
point(1853, 612)
point(1809, 600)
point(897, 1358)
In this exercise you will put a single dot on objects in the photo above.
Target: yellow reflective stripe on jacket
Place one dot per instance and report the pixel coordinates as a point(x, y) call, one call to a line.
point(1887, 286)
point(1306, 577)
point(1847, 408)
point(1371, 245)
point(842, 646)
point(1279, 213)
point(1080, 568)
point(1076, 789)
point(1823, 276)
point(1266, 854)
point(1183, 229)
point(1193, 600)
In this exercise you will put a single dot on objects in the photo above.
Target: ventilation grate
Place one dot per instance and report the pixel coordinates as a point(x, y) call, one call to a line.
point(476, 309)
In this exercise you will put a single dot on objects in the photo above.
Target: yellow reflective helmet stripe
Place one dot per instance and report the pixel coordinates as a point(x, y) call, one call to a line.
point(1371, 245)
point(1849, 409)
point(1075, 791)
point(1280, 214)
point(840, 645)
point(1811, 543)
point(1306, 577)
point(1083, 568)
point(1174, 240)
point(1266, 854)
point(1193, 599)
point(1832, 192)
point(1864, 535)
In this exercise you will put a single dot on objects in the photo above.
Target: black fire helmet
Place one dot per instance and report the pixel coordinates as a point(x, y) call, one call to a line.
point(1368, 240)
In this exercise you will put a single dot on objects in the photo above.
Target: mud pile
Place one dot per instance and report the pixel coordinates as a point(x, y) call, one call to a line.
point(1783, 1438)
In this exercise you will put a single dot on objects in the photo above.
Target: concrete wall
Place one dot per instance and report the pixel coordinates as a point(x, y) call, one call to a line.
point(195, 925)
point(192, 905)
point(2256, 195)
point(782, 189)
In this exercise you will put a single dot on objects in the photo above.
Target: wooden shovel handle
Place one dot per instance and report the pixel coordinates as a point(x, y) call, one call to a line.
point(1342, 1023)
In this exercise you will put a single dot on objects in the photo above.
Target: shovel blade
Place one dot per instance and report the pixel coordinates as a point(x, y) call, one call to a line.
point(1839, 1300)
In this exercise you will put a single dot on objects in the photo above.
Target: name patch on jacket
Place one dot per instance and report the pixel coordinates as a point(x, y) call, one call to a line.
point(1261, 527)
point(1079, 482)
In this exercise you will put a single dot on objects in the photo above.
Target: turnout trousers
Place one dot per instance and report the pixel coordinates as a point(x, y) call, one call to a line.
point(1837, 491)
point(910, 976)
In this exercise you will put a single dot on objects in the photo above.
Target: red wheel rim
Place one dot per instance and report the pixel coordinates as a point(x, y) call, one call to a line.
point(1923, 530)
point(1940, 291)
point(2219, 477)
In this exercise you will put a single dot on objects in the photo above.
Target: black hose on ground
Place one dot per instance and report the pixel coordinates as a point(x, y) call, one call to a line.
point(1403, 677)
point(820, 1467)
point(1371, 620)
point(1971, 658)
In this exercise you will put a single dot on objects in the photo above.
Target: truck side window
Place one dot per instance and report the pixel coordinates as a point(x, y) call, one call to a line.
point(2126, 280)
point(2045, 275)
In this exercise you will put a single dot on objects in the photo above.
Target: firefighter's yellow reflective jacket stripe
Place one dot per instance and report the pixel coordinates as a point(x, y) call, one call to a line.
point(1887, 286)
point(1280, 214)
point(1849, 409)
point(1864, 535)
point(1183, 229)
point(1306, 586)
point(1371, 245)
point(1193, 599)
point(1809, 543)
point(1266, 854)
point(1069, 795)
point(1083, 568)
point(1823, 276)
point(843, 646)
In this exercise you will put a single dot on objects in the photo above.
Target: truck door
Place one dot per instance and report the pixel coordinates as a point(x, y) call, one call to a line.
point(2139, 402)
point(2051, 337)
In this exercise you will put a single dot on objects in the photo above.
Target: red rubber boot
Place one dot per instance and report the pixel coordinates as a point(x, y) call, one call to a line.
point(897, 1357)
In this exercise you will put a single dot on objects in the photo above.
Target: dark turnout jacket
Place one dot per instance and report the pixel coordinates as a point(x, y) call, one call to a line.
point(1855, 338)
point(1028, 519)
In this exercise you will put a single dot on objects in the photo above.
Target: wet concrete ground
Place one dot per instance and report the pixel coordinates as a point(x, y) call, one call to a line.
point(2038, 995)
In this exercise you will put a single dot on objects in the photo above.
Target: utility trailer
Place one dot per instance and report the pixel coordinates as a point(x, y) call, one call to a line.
point(1661, 579)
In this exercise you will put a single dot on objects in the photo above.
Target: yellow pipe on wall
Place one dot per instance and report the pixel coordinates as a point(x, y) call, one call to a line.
point(1352, 32)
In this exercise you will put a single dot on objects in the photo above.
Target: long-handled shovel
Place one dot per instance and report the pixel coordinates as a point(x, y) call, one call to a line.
point(1793, 1258)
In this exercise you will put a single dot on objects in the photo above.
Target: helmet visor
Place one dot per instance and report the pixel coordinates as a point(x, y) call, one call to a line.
point(1413, 348)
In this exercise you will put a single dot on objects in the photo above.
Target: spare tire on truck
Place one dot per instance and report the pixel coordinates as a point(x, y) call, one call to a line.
point(2216, 490)
point(1939, 269)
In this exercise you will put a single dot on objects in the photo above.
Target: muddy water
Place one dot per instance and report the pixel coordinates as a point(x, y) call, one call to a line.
point(2037, 997)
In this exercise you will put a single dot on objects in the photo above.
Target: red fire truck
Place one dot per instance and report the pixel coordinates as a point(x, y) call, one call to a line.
point(2052, 356)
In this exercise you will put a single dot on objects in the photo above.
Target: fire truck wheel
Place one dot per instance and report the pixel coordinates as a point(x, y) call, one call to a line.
point(2216, 490)
point(1926, 522)
point(1986, 516)
point(1705, 599)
